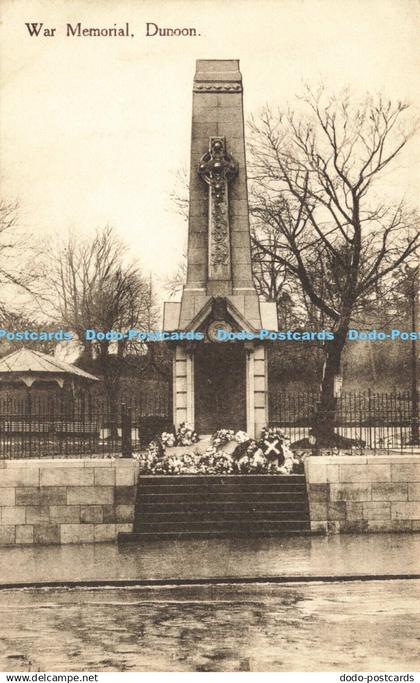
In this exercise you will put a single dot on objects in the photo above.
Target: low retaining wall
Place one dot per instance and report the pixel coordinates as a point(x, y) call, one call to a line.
point(85, 501)
point(66, 501)
point(353, 494)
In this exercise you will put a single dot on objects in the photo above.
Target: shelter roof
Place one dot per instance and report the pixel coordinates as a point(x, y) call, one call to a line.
point(26, 361)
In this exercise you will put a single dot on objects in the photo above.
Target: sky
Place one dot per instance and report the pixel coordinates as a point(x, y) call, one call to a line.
point(93, 130)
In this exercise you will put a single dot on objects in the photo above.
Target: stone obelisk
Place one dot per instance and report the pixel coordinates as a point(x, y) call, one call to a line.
point(219, 289)
point(217, 118)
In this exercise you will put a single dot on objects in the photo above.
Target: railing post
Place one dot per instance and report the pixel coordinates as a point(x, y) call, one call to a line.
point(312, 432)
point(123, 437)
point(415, 429)
point(370, 416)
point(126, 443)
point(29, 411)
point(129, 433)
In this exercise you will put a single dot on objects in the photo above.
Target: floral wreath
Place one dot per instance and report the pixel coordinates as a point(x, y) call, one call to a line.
point(246, 458)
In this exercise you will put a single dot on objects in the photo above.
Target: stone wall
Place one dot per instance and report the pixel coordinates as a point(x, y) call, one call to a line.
point(363, 493)
point(66, 501)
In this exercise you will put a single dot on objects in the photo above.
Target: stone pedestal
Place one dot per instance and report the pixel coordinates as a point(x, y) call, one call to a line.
point(256, 387)
point(183, 386)
point(256, 390)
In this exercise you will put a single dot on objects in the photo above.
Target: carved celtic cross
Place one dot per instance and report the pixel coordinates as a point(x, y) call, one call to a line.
point(217, 168)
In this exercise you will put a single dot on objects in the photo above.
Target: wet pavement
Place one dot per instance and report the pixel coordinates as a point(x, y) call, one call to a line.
point(353, 626)
point(338, 624)
point(302, 556)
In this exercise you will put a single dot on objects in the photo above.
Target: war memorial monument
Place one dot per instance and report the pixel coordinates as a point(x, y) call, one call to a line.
point(217, 383)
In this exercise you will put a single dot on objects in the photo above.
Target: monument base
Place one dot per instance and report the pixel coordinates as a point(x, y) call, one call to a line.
point(219, 386)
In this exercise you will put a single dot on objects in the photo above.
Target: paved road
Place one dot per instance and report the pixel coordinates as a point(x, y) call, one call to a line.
point(351, 626)
point(348, 554)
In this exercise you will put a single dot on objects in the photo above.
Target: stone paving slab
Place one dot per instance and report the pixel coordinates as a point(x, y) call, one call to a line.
point(309, 556)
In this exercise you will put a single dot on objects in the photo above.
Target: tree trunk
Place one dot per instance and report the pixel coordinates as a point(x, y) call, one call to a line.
point(323, 427)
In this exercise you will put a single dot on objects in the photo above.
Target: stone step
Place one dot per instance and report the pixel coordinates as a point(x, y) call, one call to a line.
point(208, 517)
point(243, 505)
point(228, 507)
point(156, 500)
point(228, 526)
point(135, 537)
point(221, 487)
point(245, 481)
point(250, 478)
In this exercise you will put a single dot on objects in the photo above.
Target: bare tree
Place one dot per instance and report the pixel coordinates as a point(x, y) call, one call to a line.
point(176, 280)
point(180, 194)
point(16, 272)
point(179, 198)
point(89, 285)
point(273, 282)
point(316, 186)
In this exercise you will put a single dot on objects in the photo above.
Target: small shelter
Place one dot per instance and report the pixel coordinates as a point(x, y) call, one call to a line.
point(40, 384)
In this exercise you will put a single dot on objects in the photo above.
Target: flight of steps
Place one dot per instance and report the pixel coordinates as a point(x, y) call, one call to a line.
point(204, 506)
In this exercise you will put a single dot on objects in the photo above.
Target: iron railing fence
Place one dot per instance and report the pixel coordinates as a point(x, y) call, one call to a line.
point(381, 422)
point(59, 405)
point(59, 436)
point(374, 421)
